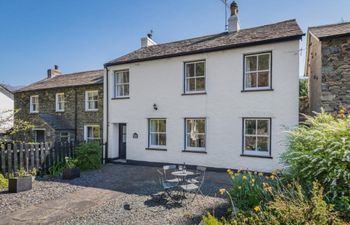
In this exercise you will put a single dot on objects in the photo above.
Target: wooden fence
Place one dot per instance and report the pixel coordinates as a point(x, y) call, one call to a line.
point(14, 157)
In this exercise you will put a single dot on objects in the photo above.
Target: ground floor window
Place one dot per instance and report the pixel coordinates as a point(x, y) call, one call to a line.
point(91, 132)
point(257, 136)
point(195, 131)
point(64, 136)
point(157, 133)
point(39, 135)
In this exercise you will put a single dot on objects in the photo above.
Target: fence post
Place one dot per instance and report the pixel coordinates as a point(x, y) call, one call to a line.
point(21, 156)
point(26, 147)
point(9, 158)
point(15, 162)
point(32, 149)
point(2, 150)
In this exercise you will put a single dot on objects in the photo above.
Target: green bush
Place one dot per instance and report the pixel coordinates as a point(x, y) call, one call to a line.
point(250, 189)
point(320, 150)
point(57, 168)
point(303, 87)
point(3, 182)
point(88, 156)
point(291, 206)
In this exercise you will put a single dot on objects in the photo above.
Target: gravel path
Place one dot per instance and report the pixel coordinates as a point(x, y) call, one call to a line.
point(100, 198)
point(45, 189)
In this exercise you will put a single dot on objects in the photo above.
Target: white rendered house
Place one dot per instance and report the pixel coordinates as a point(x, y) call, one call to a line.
point(221, 101)
point(6, 107)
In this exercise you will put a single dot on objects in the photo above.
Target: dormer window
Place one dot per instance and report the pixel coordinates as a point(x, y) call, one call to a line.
point(257, 71)
point(195, 77)
point(60, 102)
point(34, 104)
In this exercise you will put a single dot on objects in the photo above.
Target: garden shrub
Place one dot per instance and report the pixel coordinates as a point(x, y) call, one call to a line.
point(320, 150)
point(291, 206)
point(88, 156)
point(57, 168)
point(3, 182)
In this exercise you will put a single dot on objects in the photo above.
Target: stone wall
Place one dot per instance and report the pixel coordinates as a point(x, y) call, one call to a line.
point(335, 83)
point(74, 112)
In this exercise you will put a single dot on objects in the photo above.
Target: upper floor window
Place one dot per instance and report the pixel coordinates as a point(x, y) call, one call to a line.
point(195, 134)
point(121, 83)
point(34, 104)
point(256, 136)
point(257, 71)
point(157, 133)
point(91, 132)
point(195, 77)
point(91, 100)
point(60, 102)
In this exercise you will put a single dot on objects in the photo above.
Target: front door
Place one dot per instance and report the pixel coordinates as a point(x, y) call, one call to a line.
point(122, 141)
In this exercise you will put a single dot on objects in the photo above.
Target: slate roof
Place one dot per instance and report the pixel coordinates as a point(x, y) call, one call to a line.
point(286, 30)
point(6, 91)
point(332, 30)
point(56, 122)
point(67, 80)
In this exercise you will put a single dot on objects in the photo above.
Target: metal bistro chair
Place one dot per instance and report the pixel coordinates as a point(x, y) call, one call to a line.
point(194, 184)
point(167, 186)
point(167, 169)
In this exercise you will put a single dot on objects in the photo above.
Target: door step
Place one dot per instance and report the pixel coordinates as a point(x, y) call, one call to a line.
point(119, 161)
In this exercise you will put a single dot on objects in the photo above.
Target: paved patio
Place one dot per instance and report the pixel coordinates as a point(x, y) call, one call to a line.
point(101, 196)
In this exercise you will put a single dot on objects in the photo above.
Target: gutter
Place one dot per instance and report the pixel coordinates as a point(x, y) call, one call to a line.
point(107, 116)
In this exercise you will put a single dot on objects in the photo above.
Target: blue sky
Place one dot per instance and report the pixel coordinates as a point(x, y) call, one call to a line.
point(81, 35)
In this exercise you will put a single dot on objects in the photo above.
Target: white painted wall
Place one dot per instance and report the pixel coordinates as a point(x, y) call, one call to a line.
point(6, 104)
point(224, 106)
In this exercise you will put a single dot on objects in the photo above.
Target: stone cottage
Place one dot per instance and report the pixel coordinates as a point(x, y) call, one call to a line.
point(328, 67)
point(63, 107)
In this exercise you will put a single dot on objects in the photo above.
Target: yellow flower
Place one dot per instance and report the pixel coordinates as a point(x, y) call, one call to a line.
point(230, 172)
point(257, 209)
point(260, 174)
point(272, 177)
point(222, 190)
point(244, 177)
point(255, 173)
point(239, 187)
point(253, 180)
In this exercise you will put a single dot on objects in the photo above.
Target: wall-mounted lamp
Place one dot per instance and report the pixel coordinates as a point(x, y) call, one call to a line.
point(155, 107)
point(135, 135)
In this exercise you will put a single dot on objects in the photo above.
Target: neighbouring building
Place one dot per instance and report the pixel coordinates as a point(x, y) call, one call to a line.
point(221, 101)
point(328, 67)
point(63, 107)
point(6, 107)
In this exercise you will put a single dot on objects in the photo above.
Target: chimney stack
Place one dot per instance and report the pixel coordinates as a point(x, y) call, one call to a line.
point(233, 21)
point(147, 41)
point(51, 73)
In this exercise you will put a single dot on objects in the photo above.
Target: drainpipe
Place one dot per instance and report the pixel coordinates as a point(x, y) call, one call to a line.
point(76, 116)
point(107, 116)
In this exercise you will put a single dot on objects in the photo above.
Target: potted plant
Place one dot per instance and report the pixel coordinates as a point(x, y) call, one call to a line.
point(70, 170)
point(21, 182)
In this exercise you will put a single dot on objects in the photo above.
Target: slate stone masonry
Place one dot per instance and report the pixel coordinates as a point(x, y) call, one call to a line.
point(335, 84)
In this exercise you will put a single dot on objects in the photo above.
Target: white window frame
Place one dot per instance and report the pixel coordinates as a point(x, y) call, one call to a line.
point(86, 138)
point(195, 77)
point(255, 152)
point(58, 102)
point(87, 100)
point(116, 84)
point(31, 108)
point(199, 149)
point(257, 71)
point(68, 135)
point(150, 132)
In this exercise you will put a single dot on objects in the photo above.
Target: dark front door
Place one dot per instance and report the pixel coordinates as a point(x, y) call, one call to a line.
point(122, 141)
point(39, 135)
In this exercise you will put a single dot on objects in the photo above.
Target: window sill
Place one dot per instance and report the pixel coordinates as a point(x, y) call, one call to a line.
point(257, 156)
point(257, 90)
point(157, 149)
point(91, 110)
point(119, 98)
point(194, 151)
point(33, 112)
point(194, 93)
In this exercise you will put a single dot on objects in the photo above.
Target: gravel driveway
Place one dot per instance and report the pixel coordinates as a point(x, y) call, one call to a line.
point(136, 186)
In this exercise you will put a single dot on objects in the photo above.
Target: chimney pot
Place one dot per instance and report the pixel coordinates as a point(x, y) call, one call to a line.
point(51, 73)
point(147, 41)
point(233, 21)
